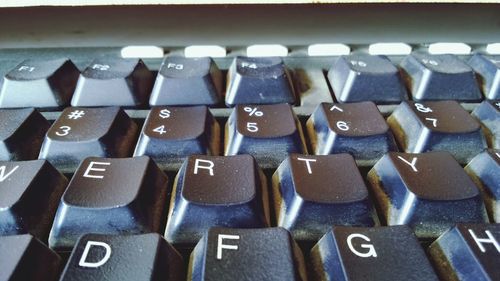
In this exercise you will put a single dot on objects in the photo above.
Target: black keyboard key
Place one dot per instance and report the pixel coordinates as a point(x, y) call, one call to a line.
point(21, 133)
point(29, 194)
point(312, 193)
point(36, 83)
point(377, 253)
point(145, 257)
point(110, 196)
point(468, 252)
point(484, 170)
point(437, 126)
point(440, 77)
point(170, 134)
point(22, 257)
point(366, 78)
point(216, 191)
point(429, 192)
point(246, 254)
point(187, 81)
point(488, 114)
point(258, 81)
point(355, 128)
point(82, 132)
point(488, 71)
point(113, 82)
point(267, 132)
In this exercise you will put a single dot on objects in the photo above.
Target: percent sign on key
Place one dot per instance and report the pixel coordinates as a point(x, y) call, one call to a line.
point(253, 111)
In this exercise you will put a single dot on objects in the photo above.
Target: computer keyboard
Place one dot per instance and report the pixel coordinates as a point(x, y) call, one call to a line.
point(353, 167)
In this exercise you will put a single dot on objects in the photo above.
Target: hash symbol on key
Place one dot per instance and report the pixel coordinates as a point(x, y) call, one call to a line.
point(77, 114)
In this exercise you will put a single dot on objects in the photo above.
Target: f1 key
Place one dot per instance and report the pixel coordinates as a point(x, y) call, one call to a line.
point(82, 132)
point(430, 192)
point(437, 126)
point(266, 254)
point(110, 196)
point(267, 132)
point(258, 81)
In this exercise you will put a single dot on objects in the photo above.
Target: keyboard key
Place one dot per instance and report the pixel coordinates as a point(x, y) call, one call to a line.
point(484, 170)
point(429, 192)
point(488, 71)
point(22, 257)
point(110, 196)
point(37, 83)
point(488, 113)
point(267, 132)
point(355, 128)
point(82, 132)
point(366, 78)
point(468, 252)
point(440, 77)
point(376, 253)
point(170, 134)
point(145, 257)
point(187, 81)
point(216, 191)
point(246, 255)
point(258, 81)
point(113, 81)
point(29, 194)
point(21, 133)
point(437, 126)
point(312, 193)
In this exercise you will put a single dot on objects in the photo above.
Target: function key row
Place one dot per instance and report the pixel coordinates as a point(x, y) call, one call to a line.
point(199, 81)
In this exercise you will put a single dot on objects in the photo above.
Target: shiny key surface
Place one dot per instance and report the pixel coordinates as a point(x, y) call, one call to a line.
point(110, 196)
point(487, 69)
point(430, 192)
point(488, 114)
point(113, 82)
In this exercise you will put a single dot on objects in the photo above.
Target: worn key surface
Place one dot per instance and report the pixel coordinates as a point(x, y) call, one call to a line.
point(187, 81)
point(487, 68)
point(226, 191)
point(488, 114)
point(79, 133)
point(312, 193)
point(375, 253)
point(110, 196)
point(437, 126)
point(170, 134)
point(357, 78)
point(430, 192)
point(468, 252)
point(258, 81)
point(113, 82)
point(21, 133)
point(39, 83)
point(246, 254)
point(355, 128)
point(145, 257)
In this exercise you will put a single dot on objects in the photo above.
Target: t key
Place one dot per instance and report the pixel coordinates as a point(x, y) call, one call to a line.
point(267, 132)
point(170, 134)
point(145, 257)
point(468, 252)
point(437, 126)
point(82, 132)
point(21, 133)
point(36, 83)
point(113, 81)
point(440, 77)
point(488, 114)
point(366, 78)
point(488, 69)
point(375, 253)
point(187, 81)
point(110, 196)
point(355, 128)
point(216, 191)
point(29, 194)
point(258, 81)
point(267, 254)
point(430, 192)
